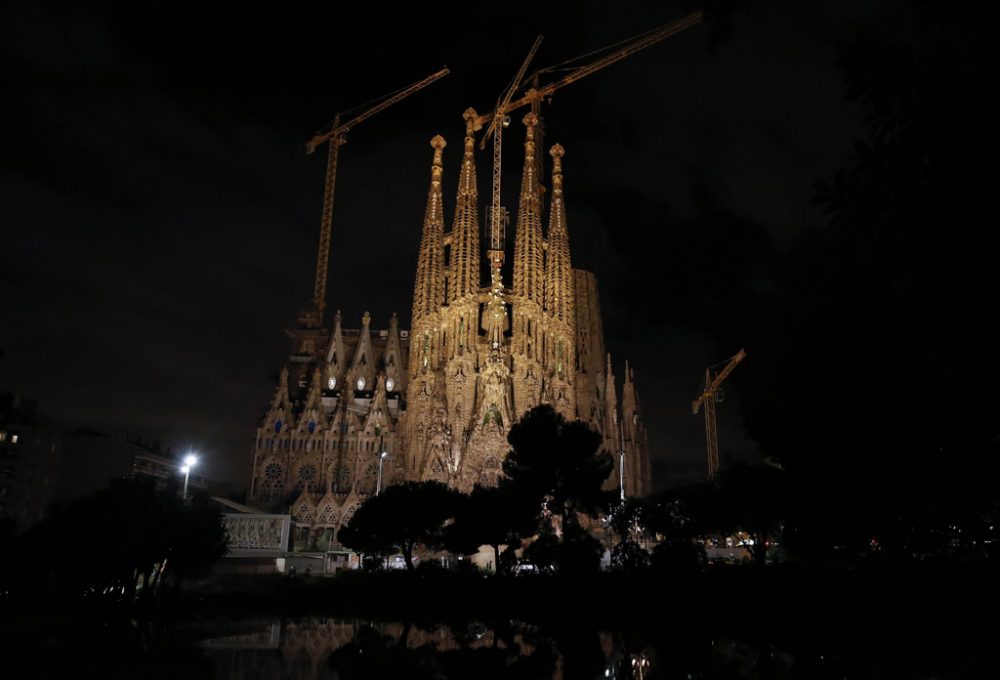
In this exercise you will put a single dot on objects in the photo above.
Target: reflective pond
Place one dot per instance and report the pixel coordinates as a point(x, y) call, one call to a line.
point(731, 643)
point(346, 649)
point(315, 648)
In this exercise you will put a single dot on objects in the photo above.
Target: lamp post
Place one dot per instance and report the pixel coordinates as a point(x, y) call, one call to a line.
point(378, 483)
point(621, 475)
point(190, 461)
point(621, 467)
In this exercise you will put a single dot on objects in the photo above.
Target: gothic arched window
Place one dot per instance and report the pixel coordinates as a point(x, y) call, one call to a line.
point(307, 478)
point(271, 488)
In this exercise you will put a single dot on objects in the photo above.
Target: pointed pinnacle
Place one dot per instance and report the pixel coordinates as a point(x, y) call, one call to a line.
point(436, 167)
point(531, 120)
point(557, 152)
point(438, 143)
point(470, 117)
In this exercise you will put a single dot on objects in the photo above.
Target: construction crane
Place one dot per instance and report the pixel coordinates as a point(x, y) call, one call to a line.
point(621, 50)
point(499, 122)
point(536, 93)
point(710, 394)
point(336, 135)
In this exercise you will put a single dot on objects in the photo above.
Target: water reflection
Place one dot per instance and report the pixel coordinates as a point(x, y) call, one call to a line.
point(318, 648)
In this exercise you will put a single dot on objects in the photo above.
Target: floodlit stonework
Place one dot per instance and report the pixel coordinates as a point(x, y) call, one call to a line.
point(441, 397)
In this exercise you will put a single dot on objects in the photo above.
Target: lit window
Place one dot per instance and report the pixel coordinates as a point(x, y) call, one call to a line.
point(331, 383)
point(13, 439)
point(389, 384)
point(361, 383)
point(3, 436)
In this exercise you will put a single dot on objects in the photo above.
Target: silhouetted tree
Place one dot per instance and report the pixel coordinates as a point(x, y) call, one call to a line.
point(495, 516)
point(560, 466)
point(543, 551)
point(868, 338)
point(668, 516)
point(402, 516)
point(558, 463)
point(866, 381)
point(628, 521)
point(147, 537)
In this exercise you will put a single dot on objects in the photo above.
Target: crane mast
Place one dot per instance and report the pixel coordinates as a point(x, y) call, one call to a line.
point(499, 122)
point(708, 397)
point(337, 137)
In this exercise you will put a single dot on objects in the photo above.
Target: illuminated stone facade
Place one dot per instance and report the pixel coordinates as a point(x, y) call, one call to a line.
point(440, 398)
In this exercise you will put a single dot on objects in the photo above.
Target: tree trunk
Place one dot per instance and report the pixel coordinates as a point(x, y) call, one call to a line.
point(760, 548)
point(408, 556)
point(496, 558)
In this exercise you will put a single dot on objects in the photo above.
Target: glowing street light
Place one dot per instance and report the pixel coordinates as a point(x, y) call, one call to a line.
point(190, 461)
point(621, 459)
point(378, 484)
point(621, 466)
point(621, 475)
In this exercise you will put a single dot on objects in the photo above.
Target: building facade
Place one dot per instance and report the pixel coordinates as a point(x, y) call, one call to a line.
point(29, 462)
point(439, 399)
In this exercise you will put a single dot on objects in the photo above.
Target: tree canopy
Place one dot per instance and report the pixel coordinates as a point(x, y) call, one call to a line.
point(558, 463)
point(127, 539)
point(400, 517)
point(559, 466)
point(495, 516)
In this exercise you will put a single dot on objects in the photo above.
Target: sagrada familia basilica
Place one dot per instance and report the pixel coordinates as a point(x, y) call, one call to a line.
point(438, 400)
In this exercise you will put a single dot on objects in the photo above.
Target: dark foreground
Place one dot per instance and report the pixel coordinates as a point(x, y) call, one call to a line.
point(928, 621)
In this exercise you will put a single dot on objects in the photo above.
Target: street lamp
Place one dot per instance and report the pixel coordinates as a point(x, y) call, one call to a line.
point(621, 467)
point(621, 475)
point(621, 458)
point(189, 462)
point(378, 484)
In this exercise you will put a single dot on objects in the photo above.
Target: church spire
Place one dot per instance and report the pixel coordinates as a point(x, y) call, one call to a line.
point(528, 240)
point(465, 229)
point(629, 409)
point(428, 289)
point(559, 271)
point(637, 468)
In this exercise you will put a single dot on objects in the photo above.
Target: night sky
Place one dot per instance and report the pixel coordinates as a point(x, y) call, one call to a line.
point(161, 215)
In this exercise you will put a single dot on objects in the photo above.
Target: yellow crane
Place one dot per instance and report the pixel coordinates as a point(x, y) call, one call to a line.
point(336, 135)
point(618, 52)
point(710, 394)
point(499, 121)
